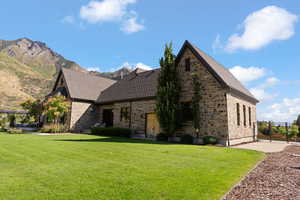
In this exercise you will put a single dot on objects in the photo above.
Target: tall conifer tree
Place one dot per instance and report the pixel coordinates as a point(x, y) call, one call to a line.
point(168, 106)
point(195, 103)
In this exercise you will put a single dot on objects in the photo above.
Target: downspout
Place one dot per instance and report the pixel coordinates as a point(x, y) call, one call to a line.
point(228, 137)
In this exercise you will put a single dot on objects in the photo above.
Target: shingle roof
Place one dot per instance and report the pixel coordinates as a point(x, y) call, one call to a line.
point(133, 86)
point(220, 72)
point(142, 85)
point(85, 86)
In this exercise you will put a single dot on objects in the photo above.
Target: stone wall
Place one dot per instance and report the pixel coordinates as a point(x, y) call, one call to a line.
point(236, 132)
point(217, 107)
point(139, 109)
point(213, 109)
point(83, 116)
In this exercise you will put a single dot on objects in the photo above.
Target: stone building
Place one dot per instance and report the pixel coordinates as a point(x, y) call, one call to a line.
point(227, 108)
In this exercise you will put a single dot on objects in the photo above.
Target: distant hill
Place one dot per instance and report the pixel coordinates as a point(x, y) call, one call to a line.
point(116, 75)
point(28, 70)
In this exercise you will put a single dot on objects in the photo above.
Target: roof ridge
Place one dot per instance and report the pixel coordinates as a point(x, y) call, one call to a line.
point(86, 73)
point(220, 72)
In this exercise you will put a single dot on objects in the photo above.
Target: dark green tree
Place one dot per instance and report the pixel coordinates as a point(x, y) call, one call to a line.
point(195, 103)
point(34, 108)
point(168, 90)
point(298, 124)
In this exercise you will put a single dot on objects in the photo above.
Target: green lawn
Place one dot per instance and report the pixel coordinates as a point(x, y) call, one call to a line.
point(75, 167)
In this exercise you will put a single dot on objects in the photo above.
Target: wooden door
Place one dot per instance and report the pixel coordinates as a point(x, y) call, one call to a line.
point(152, 125)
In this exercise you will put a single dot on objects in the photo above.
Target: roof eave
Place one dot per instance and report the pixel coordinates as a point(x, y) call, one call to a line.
point(125, 100)
point(242, 95)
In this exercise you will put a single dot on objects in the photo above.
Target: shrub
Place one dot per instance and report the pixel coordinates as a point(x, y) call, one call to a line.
point(52, 128)
point(14, 131)
point(210, 140)
point(111, 131)
point(162, 137)
point(3, 123)
point(186, 139)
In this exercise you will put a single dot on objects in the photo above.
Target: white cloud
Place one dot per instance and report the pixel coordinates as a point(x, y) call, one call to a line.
point(143, 66)
point(132, 66)
point(262, 27)
point(270, 82)
point(131, 26)
point(287, 110)
point(262, 95)
point(68, 20)
point(217, 43)
point(112, 11)
point(248, 74)
point(93, 69)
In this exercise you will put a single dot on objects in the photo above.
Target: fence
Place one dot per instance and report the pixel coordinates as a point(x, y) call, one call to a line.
point(282, 131)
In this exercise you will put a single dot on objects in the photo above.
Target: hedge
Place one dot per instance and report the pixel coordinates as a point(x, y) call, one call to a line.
point(210, 140)
point(111, 131)
point(186, 139)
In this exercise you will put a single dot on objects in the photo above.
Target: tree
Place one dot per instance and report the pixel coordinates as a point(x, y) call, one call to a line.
point(195, 103)
point(298, 124)
point(3, 122)
point(55, 108)
point(294, 131)
point(168, 90)
point(34, 108)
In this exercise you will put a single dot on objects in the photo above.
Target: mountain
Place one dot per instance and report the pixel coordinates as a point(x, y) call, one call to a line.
point(28, 70)
point(116, 75)
point(123, 71)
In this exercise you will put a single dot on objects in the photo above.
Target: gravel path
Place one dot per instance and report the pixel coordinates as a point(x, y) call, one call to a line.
point(264, 146)
point(276, 178)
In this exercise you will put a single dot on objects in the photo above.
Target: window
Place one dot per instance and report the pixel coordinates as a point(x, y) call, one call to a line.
point(244, 112)
point(187, 65)
point(250, 120)
point(125, 113)
point(187, 112)
point(238, 114)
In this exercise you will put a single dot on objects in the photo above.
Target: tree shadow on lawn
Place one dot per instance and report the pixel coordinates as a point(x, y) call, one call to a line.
point(117, 140)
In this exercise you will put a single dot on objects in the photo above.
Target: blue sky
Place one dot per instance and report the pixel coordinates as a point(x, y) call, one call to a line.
point(257, 41)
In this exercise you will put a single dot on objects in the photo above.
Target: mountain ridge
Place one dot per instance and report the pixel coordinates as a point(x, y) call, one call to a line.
point(28, 70)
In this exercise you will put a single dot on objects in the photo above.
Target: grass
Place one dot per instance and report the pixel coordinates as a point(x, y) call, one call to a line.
point(67, 167)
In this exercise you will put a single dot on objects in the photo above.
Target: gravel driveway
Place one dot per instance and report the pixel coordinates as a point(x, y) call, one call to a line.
point(276, 178)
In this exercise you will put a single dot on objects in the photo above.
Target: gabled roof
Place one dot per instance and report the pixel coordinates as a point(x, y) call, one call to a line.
point(140, 85)
point(83, 86)
point(135, 85)
point(223, 75)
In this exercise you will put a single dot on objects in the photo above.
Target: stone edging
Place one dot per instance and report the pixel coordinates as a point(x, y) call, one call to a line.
point(246, 176)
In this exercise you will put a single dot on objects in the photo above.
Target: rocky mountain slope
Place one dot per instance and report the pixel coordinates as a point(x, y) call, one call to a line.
point(116, 75)
point(28, 70)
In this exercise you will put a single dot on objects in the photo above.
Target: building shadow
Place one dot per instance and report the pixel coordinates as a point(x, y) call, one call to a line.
point(116, 140)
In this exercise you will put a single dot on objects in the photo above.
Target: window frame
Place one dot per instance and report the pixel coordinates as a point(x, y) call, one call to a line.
point(250, 117)
point(187, 64)
point(187, 114)
point(245, 115)
point(238, 114)
point(125, 113)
